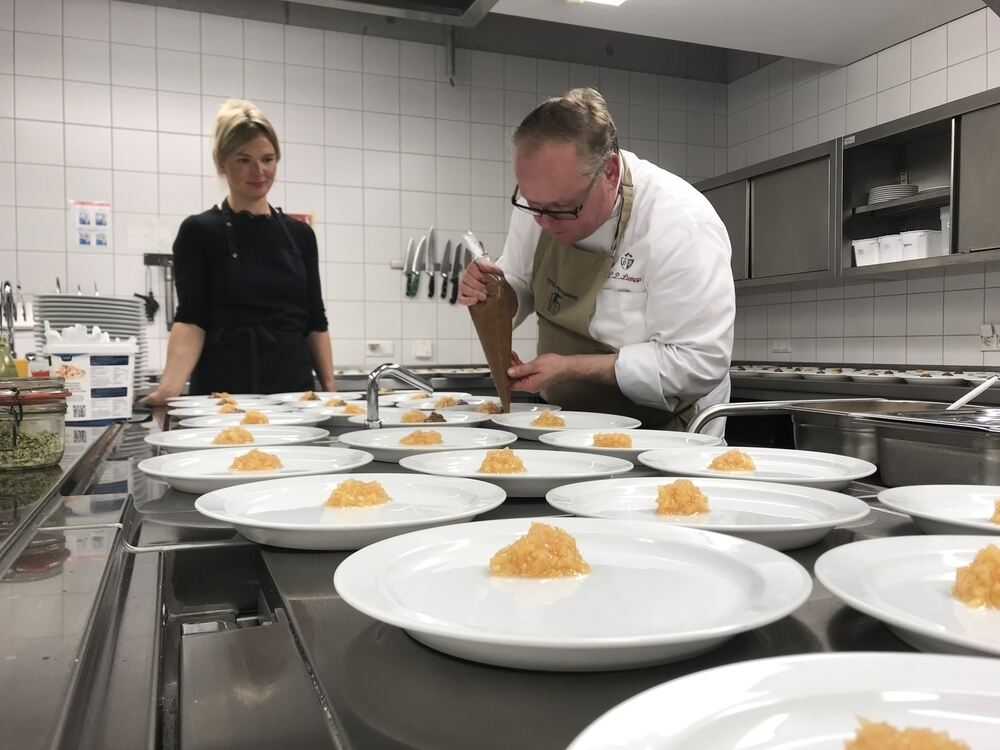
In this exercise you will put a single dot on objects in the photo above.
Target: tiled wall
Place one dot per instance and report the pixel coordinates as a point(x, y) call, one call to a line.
point(113, 100)
point(926, 318)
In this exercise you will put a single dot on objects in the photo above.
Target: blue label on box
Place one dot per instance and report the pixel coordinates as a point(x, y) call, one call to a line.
point(108, 360)
point(108, 392)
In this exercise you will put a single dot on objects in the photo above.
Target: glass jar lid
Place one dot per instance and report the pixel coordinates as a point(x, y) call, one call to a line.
point(33, 391)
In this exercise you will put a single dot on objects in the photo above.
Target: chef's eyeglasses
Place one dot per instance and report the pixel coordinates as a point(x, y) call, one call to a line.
point(559, 215)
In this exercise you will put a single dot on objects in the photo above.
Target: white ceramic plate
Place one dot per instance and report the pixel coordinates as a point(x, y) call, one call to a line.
point(544, 469)
point(295, 397)
point(807, 702)
point(827, 376)
point(946, 508)
point(392, 416)
point(334, 416)
point(906, 581)
point(805, 468)
point(430, 404)
point(782, 516)
point(200, 438)
point(213, 410)
point(406, 399)
point(867, 377)
point(292, 512)
point(230, 420)
point(642, 440)
point(934, 377)
point(516, 406)
point(204, 471)
point(384, 443)
point(435, 585)
point(746, 372)
point(182, 401)
point(520, 423)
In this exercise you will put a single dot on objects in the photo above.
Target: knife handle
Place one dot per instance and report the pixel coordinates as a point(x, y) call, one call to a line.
point(444, 286)
point(454, 291)
point(409, 284)
point(430, 285)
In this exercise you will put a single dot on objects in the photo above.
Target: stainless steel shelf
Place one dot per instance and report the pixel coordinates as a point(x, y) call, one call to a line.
point(940, 261)
point(927, 199)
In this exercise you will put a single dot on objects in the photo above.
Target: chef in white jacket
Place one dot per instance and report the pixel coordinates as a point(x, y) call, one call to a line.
point(626, 267)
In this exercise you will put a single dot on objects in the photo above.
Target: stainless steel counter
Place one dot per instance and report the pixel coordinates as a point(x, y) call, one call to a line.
point(235, 645)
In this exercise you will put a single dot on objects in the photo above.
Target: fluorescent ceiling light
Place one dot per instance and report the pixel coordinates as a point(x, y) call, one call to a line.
point(599, 2)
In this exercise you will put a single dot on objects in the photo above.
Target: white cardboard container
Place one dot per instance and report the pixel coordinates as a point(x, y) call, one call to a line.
point(99, 377)
point(867, 252)
point(924, 243)
point(890, 248)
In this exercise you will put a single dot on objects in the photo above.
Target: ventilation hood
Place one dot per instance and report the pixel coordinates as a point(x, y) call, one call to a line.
point(453, 12)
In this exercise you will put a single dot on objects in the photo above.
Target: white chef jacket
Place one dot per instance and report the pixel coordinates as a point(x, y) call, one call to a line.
point(668, 304)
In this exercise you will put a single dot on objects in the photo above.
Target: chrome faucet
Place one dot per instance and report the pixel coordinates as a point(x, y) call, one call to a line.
point(372, 422)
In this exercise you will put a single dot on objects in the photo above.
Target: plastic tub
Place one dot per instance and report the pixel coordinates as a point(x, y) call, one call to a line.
point(867, 252)
point(891, 248)
point(924, 243)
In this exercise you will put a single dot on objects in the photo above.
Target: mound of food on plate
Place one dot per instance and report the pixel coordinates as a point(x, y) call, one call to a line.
point(334, 402)
point(612, 440)
point(883, 736)
point(353, 493)
point(996, 512)
point(732, 460)
point(422, 437)
point(413, 416)
point(489, 407)
point(419, 395)
point(502, 461)
point(353, 409)
point(680, 498)
point(445, 401)
point(233, 436)
point(435, 417)
point(229, 408)
point(309, 396)
point(978, 583)
point(256, 460)
point(544, 552)
point(548, 419)
point(220, 394)
point(255, 417)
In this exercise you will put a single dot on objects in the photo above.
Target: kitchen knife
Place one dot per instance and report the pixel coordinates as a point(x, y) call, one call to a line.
point(456, 271)
point(419, 264)
point(431, 266)
point(409, 264)
point(445, 269)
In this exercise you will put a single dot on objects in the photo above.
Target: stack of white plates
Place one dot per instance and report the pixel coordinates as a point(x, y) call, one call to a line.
point(118, 316)
point(884, 193)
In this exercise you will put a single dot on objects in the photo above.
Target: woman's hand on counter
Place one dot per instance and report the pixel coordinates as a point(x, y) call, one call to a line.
point(472, 287)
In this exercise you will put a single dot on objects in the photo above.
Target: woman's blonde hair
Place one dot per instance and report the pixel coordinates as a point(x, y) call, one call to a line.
point(237, 123)
point(580, 116)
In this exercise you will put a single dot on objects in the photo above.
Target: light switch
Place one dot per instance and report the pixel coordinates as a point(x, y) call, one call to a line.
point(423, 349)
point(379, 348)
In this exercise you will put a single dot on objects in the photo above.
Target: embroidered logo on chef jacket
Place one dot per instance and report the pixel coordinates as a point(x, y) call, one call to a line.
point(620, 278)
point(627, 261)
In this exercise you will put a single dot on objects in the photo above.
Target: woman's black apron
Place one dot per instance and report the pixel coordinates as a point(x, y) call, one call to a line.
point(263, 356)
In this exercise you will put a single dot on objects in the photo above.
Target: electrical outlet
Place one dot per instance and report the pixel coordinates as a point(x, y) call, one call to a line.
point(423, 349)
point(379, 348)
point(781, 346)
point(989, 337)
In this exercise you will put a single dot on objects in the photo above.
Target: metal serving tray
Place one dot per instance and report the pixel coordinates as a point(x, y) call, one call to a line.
point(935, 447)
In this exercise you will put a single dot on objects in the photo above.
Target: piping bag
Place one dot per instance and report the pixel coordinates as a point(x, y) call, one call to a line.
point(494, 321)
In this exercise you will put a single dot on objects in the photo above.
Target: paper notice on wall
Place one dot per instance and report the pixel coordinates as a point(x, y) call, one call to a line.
point(150, 234)
point(90, 224)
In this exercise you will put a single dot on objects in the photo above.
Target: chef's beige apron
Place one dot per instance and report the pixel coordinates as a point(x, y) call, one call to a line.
point(566, 282)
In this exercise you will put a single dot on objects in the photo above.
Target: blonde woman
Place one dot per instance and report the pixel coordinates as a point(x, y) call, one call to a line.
point(250, 315)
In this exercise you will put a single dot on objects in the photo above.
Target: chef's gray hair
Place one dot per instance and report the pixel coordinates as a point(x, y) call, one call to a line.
point(237, 123)
point(581, 116)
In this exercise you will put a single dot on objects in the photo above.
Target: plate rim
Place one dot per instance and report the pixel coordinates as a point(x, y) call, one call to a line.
point(895, 505)
point(525, 476)
point(422, 448)
point(849, 459)
point(552, 438)
point(156, 438)
point(150, 461)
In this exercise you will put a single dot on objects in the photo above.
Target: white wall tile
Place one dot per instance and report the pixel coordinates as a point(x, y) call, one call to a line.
point(40, 186)
point(967, 78)
point(88, 146)
point(133, 66)
point(452, 138)
point(929, 91)
point(178, 71)
point(133, 24)
point(924, 314)
point(343, 128)
point(890, 350)
point(757, 120)
point(736, 157)
point(963, 278)
point(416, 97)
point(41, 229)
point(303, 84)
point(615, 84)
point(263, 80)
point(930, 280)
point(133, 108)
point(381, 169)
point(380, 56)
point(929, 52)
point(859, 317)
point(180, 194)
point(38, 142)
point(643, 122)
point(344, 205)
point(303, 124)
point(890, 316)
point(805, 133)
point(417, 135)
point(221, 35)
point(134, 150)
point(40, 16)
point(893, 103)
point(87, 60)
point(832, 124)
point(344, 243)
point(967, 37)
point(453, 174)
point(180, 113)
point(418, 172)
point(381, 93)
point(452, 102)
point(962, 351)
point(520, 73)
point(38, 98)
point(860, 114)
point(263, 41)
point(381, 207)
point(862, 78)
point(781, 141)
point(178, 30)
point(924, 350)
point(486, 105)
point(757, 150)
point(832, 90)
point(304, 46)
point(805, 100)
point(6, 52)
point(781, 76)
point(302, 162)
point(382, 245)
point(700, 96)
point(993, 69)
point(37, 55)
point(859, 350)
point(417, 60)
point(343, 51)
point(756, 326)
point(829, 318)
point(780, 110)
point(700, 161)
point(86, 19)
point(673, 125)
point(963, 311)
point(829, 350)
point(136, 192)
point(553, 78)
point(486, 69)
point(894, 66)
point(758, 86)
point(343, 89)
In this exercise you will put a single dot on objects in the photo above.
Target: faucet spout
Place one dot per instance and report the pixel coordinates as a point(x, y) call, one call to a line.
point(372, 422)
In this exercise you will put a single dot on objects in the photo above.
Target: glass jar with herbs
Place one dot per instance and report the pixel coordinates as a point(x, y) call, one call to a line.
point(32, 422)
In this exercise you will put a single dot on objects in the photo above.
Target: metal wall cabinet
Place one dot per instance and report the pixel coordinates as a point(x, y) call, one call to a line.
point(787, 227)
point(978, 219)
point(732, 203)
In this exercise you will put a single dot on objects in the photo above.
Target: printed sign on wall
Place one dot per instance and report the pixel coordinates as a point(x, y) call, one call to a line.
point(90, 224)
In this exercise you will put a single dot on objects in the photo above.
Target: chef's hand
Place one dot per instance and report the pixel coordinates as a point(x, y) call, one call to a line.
point(540, 372)
point(472, 287)
point(158, 397)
